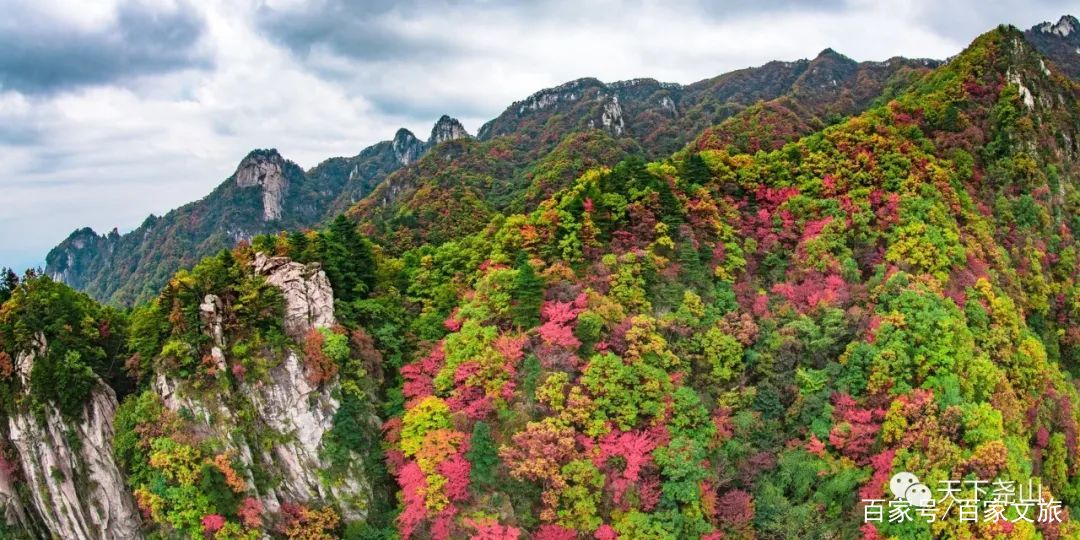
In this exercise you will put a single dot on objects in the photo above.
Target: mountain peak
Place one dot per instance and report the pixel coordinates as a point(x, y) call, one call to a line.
point(404, 135)
point(66, 261)
point(826, 71)
point(833, 59)
point(1065, 26)
point(447, 129)
point(1060, 42)
point(828, 52)
point(262, 154)
point(264, 168)
point(407, 148)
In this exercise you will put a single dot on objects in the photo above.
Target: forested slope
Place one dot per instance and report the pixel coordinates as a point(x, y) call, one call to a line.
point(746, 338)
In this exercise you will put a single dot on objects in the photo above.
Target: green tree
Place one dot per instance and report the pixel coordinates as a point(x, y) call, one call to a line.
point(527, 295)
point(1055, 469)
point(695, 171)
point(723, 354)
point(484, 456)
point(65, 380)
point(8, 282)
point(347, 259)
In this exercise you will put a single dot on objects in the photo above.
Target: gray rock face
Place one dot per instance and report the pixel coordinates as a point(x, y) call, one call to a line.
point(75, 488)
point(447, 129)
point(612, 117)
point(292, 407)
point(210, 311)
point(16, 511)
point(309, 300)
point(1066, 25)
point(265, 170)
point(287, 403)
point(1060, 42)
point(407, 148)
point(65, 262)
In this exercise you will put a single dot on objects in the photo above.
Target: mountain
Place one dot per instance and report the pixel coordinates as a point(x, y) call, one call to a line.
point(729, 345)
point(1060, 42)
point(755, 336)
point(534, 147)
point(541, 143)
point(266, 194)
point(659, 114)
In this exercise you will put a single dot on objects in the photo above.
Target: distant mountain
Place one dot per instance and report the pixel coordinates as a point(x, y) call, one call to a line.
point(1060, 42)
point(534, 147)
point(659, 114)
point(541, 143)
point(266, 194)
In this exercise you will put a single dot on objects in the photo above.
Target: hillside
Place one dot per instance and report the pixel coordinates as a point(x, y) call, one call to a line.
point(538, 145)
point(735, 345)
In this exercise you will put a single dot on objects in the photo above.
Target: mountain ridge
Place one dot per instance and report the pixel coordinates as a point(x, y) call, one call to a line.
point(643, 116)
point(1060, 42)
point(265, 194)
point(751, 345)
point(445, 195)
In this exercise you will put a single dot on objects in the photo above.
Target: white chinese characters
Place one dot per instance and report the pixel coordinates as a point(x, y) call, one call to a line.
point(966, 500)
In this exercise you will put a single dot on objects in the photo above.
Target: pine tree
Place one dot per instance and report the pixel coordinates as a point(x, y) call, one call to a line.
point(693, 273)
point(347, 258)
point(264, 243)
point(695, 171)
point(484, 456)
point(1055, 469)
point(528, 294)
point(9, 281)
point(298, 247)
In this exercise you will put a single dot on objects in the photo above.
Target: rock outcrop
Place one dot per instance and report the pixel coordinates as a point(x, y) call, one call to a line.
point(1060, 42)
point(73, 488)
point(264, 169)
point(1065, 26)
point(299, 412)
point(406, 147)
point(68, 261)
point(447, 129)
point(309, 300)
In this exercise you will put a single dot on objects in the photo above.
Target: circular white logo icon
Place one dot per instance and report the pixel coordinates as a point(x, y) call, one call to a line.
point(906, 486)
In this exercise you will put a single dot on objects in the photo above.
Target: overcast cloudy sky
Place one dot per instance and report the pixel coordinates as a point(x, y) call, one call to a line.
point(114, 109)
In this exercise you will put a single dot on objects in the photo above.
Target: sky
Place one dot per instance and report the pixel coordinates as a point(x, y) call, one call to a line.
point(111, 110)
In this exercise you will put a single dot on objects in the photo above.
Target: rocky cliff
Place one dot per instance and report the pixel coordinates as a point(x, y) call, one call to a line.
point(63, 481)
point(447, 129)
point(265, 172)
point(293, 411)
point(1060, 42)
point(309, 300)
point(269, 432)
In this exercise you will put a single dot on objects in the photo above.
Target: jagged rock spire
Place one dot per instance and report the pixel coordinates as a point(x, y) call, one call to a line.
point(264, 168)
point(407, 148)
point(447, 129)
